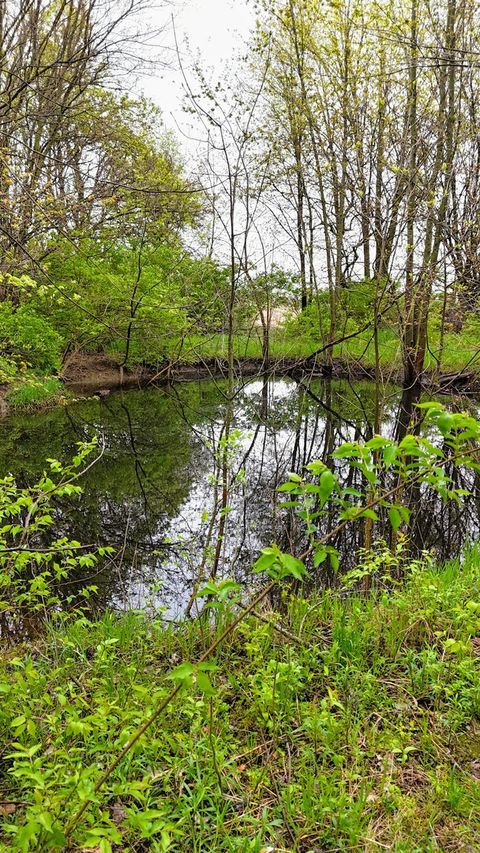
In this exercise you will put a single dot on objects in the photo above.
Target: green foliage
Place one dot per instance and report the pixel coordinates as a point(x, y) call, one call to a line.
point(144, 191)
point(264, 292)
point(34, 563)
point(363, 733)
point(33, 392)
point(147, 295)
point(8, 369)
point(28, 339)
point(305, 761)
point(388, 470)
point(357, 301)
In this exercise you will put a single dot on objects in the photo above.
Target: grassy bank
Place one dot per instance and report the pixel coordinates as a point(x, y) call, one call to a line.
point(458, 349)
point(357, 728)
point(35, 392)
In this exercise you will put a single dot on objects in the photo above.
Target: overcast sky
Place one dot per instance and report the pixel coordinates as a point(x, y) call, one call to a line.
point(214, 30)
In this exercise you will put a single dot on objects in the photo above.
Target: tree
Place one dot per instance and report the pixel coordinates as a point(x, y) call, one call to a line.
point(61, 130)
point(387, 146)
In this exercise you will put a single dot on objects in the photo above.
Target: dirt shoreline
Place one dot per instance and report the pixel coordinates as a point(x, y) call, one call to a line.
point(98, 372)
point(90, 374)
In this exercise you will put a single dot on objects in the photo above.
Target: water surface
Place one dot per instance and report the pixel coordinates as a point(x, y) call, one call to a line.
point(152, 493)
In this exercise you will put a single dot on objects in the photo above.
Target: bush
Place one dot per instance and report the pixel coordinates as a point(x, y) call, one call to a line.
point(34, 392)
point(355, 308)
point(8, 369)
point(34, 563)
point(28, 339)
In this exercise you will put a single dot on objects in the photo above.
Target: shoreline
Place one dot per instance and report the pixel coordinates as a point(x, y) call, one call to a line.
point(89, 374)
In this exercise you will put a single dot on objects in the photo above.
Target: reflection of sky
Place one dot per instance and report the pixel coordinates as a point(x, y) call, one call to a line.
point(266, 450)
point(159, 519)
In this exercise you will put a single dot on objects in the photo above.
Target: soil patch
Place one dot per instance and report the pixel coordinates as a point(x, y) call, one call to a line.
point(94, 371)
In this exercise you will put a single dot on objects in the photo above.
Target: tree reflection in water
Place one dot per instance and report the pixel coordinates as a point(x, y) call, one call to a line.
point(151, 496)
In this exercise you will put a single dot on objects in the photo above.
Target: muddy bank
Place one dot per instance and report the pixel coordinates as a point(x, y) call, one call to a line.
point(97, 373)
point(88, 374)
point(94, 373)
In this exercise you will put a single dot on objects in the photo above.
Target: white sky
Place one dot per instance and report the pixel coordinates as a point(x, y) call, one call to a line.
point(214, 31)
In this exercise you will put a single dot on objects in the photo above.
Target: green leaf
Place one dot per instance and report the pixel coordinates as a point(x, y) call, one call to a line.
point(205, 684)
point(429, 406)
point(316, 467)
point(292, 567)
point(347, 449)
point(389, 455)
point(377, 442)
point(320, 556)
point(370, 513)
point(445, 422)
point(394, 517)
point(288, 487)
point(334, 559)
point(209, 589)
point(267, 560)
point(45, 819)
point(327, 484)
point(182, 672)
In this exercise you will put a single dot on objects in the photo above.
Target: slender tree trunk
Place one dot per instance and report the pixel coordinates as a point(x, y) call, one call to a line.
point(409, 317)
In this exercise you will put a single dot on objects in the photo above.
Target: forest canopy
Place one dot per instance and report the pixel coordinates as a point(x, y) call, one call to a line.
point(331, 207)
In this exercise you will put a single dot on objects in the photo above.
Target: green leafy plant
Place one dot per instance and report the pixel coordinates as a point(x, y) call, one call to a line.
point(34, 564)
point(114, 757)
point(387, 474)
point(29, 339)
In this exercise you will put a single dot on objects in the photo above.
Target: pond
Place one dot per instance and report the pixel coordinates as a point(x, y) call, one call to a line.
point(152, 493)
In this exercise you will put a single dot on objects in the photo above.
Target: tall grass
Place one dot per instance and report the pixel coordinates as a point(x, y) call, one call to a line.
point(458, 350)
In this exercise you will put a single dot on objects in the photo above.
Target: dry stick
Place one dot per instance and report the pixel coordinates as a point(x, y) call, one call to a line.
point(163, 704)
point(212, 746)
point(278, 628)
point(59, 550)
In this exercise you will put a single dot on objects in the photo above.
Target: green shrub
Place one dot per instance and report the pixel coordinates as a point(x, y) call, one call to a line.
point(28, 338)
point(34, 392)
point(8, 369)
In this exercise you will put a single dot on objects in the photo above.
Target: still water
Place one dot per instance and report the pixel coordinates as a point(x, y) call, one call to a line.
point(152, 495)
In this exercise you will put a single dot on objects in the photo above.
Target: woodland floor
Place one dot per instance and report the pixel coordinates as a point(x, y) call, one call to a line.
point(353, 725)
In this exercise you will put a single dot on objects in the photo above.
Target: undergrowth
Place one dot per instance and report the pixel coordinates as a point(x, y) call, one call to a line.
point(34, 392)
point(354, 725)
point(458, 350)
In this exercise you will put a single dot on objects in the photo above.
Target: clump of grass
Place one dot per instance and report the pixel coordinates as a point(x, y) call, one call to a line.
point(35, 392)
point(360, 734)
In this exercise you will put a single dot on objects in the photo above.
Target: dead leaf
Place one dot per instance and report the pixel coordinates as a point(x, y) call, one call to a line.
point(118, 813)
